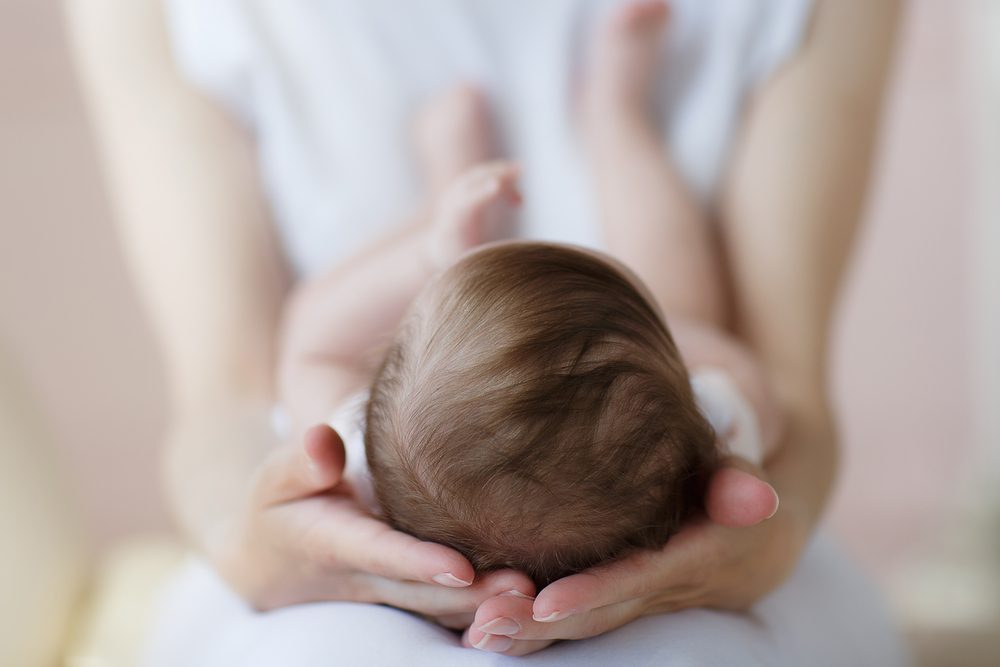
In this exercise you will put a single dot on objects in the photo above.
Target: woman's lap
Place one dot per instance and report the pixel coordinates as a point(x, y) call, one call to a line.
point(826, 614)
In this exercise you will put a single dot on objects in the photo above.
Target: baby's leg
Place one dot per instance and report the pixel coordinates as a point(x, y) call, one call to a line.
point(452, 133)
point(651, 221)
point(471, 193)
point(322, 361)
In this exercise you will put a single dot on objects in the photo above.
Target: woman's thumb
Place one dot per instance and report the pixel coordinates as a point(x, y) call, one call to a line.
point(737, 498)
point(302, 469)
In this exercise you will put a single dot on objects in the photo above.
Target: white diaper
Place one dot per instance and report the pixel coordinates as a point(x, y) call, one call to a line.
point(729, 413)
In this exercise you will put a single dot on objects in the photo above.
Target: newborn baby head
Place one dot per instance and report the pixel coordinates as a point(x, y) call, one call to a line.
point(533, 413)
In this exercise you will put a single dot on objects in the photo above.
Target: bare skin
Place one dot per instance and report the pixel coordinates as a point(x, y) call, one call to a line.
point(195, 227)
point(459, 119)
point(651, 221)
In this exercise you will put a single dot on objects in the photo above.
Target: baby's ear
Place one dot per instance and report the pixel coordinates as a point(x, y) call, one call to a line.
point(737, 497)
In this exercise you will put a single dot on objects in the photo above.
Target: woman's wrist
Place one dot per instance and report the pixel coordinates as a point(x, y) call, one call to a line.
point(803, 469)
point(209, 460)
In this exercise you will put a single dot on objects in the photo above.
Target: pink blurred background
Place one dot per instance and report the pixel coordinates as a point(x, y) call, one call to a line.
point(903, 360)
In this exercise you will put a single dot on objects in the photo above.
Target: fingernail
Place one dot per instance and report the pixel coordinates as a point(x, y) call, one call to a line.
point(553, 617)
point(496, 644)
point(777, 503)
point(517, 594)
point(501, 626)
point(450, 580)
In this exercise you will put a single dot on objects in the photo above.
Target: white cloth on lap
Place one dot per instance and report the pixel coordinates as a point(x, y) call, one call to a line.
point(825, 615)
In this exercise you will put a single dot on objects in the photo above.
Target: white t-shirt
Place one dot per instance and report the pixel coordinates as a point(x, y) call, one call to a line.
point(329, 89)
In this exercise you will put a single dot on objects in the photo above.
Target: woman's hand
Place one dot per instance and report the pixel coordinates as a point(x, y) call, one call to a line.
point(304, 538)
point(728, 560)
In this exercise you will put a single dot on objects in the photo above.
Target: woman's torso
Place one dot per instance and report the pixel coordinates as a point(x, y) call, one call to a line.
point(329, 88)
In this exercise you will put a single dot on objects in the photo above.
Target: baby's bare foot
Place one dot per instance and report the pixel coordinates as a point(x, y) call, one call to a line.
point(452, 133)
point(475, 209)
point(623, 70)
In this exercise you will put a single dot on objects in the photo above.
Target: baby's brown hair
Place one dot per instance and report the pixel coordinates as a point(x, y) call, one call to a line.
point(533, 413)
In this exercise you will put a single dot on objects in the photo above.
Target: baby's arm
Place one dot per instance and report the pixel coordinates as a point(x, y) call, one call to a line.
point(703, 347)
point(337, 324)
point(332, 323)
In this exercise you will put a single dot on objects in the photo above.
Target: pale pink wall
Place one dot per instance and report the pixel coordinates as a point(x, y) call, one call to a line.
point(903, 358)
point(72, 321)
point(66, 309)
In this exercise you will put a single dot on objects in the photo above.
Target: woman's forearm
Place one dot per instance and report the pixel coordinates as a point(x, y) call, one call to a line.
point(215, 446)
point(209, 461)
point(197, 236)
point(804, 467)
point(789, 209)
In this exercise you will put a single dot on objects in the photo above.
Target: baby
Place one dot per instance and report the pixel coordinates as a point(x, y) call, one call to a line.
point(533, 410)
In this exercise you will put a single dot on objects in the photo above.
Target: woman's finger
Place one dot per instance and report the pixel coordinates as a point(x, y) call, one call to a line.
point(675, 570)
point(300, 470)
point(631, 577)
point(737, 497)
point(507, 616)
point(439, 601)
point(347, 536)
point(506, 645)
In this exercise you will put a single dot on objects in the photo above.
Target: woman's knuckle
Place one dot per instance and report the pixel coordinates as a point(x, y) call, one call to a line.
point(319, 553)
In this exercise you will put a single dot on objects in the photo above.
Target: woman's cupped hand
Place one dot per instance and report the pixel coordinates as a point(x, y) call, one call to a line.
point(728, 559)
point(303, 537)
